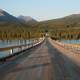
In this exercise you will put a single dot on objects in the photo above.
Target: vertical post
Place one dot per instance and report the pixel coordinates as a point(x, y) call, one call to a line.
point(29, 37)
point(11, 51)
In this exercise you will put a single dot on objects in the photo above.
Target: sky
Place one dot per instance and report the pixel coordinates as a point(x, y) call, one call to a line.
point(41, 9)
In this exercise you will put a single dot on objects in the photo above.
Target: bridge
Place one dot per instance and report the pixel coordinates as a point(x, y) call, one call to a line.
point(47, 61)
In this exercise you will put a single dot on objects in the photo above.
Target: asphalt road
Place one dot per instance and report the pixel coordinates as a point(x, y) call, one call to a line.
point(41, 63)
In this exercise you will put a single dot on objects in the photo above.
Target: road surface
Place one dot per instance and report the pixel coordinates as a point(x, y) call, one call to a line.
point(41, 63)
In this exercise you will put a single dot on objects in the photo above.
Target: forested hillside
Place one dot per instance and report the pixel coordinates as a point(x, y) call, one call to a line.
point(12, 28)
point(63, 28)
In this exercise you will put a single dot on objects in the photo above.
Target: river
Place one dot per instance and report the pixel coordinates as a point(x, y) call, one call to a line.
point(71, 41)
point(8, 43)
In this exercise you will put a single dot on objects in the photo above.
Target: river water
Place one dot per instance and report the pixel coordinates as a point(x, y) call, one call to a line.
point(8, 43)
point(71, 41)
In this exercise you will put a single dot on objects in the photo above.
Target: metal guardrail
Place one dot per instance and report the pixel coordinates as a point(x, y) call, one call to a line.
point(16, 49)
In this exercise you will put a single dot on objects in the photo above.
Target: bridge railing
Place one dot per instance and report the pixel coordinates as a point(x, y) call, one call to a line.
point(15, 49)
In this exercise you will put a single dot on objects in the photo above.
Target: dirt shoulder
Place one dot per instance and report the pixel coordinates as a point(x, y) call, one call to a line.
point(71, 55)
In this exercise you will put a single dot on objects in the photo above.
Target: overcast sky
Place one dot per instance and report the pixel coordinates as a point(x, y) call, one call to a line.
point(41, 9)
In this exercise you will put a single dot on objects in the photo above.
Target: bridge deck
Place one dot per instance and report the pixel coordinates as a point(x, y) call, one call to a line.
point(43, 63)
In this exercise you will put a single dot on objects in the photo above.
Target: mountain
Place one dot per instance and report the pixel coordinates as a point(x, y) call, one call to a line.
point(27, 20)
point(72, 21)
point(6, 17)
point(11, 27)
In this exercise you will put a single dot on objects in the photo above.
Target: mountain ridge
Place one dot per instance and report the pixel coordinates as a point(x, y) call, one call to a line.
point(27, 20)
point(4, 16)
point(71, 20)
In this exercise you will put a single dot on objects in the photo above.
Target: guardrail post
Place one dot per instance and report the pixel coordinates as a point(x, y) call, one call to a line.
point(11, 51)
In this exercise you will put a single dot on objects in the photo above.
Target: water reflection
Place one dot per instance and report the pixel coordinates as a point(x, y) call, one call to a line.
point(8, 43)
point(71, 41)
